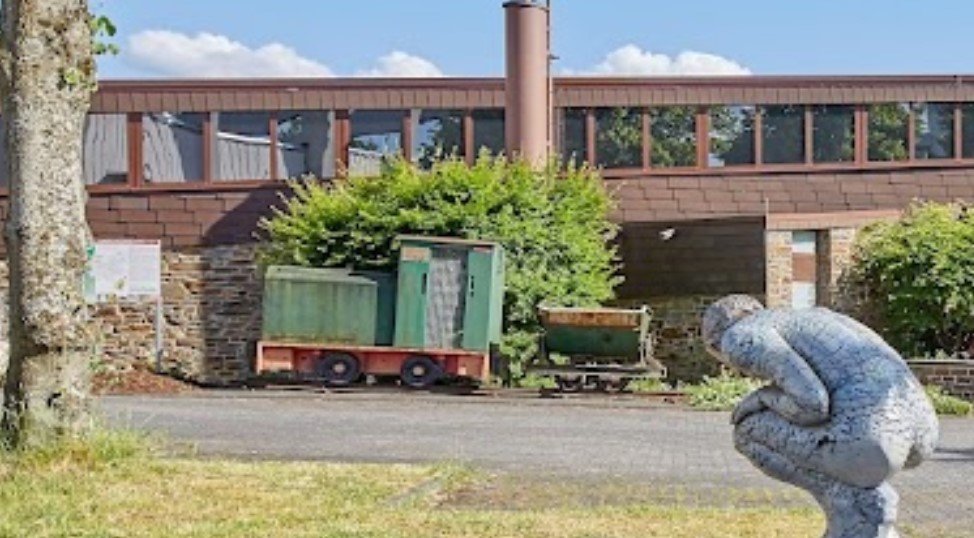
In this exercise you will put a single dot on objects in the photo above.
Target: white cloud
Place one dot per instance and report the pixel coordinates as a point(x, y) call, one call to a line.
point(401, 64)
point(211, 55)
point(208, 55)
point(630, 60)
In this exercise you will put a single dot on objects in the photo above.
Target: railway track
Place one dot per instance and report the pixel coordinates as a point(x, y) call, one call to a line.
point(674, 397)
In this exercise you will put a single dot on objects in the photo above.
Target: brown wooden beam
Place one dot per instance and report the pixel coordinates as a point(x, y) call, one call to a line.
point(911, 134)
point(469, 152)
point(343, 135)
point(758, 135)
point(703, 137)
point(134, 136)
point(958, 132)
point(861, 134)
point(809, 135)
point(407, 135)
point(647, 139)
point(209, 137)
point(274, 145)
point(590, 128)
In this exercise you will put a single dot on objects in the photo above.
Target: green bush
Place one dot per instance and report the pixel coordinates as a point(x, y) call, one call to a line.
point(916, 277)
point(720, 393)
point(945, 404)
point(553, 225)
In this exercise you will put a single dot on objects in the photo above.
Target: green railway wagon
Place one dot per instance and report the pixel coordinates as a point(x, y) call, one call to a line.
point(438, 316)
point(598, 348)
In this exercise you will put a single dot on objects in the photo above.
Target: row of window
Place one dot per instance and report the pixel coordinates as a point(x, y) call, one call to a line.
point(670, 137)
point(177, 147)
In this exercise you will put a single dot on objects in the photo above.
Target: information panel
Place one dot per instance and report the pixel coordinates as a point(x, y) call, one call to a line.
point(124, 270)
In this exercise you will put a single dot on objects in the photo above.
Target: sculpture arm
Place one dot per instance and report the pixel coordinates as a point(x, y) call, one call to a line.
point(796, 393)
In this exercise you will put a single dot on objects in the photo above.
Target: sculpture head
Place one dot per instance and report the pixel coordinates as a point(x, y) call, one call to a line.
point(722, 315)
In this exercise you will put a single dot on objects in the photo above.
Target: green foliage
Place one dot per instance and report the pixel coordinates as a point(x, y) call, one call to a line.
point(888, 127)
point(945, 404)
point(648, 385)
point(674, 134)
point(916, 275)
point(102, 28)
point(552, 224)
point(721, 393)
point(619, 138)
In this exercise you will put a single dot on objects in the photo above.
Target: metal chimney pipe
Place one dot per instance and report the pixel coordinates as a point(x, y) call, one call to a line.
point(527, 106)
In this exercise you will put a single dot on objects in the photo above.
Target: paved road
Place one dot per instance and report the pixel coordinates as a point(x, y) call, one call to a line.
point(624, 440)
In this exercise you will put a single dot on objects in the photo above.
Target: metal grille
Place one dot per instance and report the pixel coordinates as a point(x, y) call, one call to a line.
point(447, 298)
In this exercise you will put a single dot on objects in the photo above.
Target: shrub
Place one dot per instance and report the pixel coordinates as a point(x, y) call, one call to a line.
point(553, 225)
point(915, 275)
point(720, 393)
point(945, 404)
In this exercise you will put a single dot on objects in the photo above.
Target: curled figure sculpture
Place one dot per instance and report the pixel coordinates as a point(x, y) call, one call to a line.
point(840, 415)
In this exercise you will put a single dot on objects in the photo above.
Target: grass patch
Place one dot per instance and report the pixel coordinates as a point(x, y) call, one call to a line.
point(945, 404)
point(720, 393)
point(115, 486)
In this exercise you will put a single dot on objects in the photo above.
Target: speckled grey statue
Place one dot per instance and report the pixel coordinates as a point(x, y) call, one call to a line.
point(841, 414)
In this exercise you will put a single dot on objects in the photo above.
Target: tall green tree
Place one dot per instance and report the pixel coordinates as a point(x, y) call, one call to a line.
point(47, 74)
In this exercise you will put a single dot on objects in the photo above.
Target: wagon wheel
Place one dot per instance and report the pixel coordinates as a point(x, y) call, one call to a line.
point(420, 371)
point(569, 384)
point(339, 369)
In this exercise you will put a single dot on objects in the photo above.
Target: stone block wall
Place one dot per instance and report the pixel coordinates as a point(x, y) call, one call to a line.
point(956, 377)
point(211, 317)
point(778, 268)
point(676, 328)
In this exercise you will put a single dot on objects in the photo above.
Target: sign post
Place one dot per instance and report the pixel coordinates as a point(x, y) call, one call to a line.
point(127, 269)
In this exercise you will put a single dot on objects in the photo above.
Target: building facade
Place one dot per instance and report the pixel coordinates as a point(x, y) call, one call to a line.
point(751, 184)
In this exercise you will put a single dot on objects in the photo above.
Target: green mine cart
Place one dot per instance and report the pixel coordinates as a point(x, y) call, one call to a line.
point(596, 348)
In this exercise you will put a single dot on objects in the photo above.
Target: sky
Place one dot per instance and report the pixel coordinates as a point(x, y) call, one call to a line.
point(309, 38)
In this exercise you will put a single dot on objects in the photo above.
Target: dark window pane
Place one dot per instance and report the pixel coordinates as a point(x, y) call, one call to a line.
point(573, 145)
point(243, 146)
point(488, 131)
point(439, 135)
point(674, 137)
point(619, 138)
point(105, 155)
point(888, 131)
point(376, 135)
point(833, 133)
point(731, 135)
point(967, 131)
point(172, 146)
point(934, 130)
point(305, 144)
point(783, 134)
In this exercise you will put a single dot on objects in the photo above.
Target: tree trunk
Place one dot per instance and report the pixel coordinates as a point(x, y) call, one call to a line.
point(47, 71)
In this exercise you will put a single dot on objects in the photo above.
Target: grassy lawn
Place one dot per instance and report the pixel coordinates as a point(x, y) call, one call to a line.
point(113, 487)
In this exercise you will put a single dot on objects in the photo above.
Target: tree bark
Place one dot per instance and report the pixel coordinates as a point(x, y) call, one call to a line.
point(45, 84)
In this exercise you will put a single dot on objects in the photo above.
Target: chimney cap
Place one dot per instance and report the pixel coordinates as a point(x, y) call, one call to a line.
point(526, 3)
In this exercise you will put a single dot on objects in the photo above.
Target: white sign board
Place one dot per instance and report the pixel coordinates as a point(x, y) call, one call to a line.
point(124, 270)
